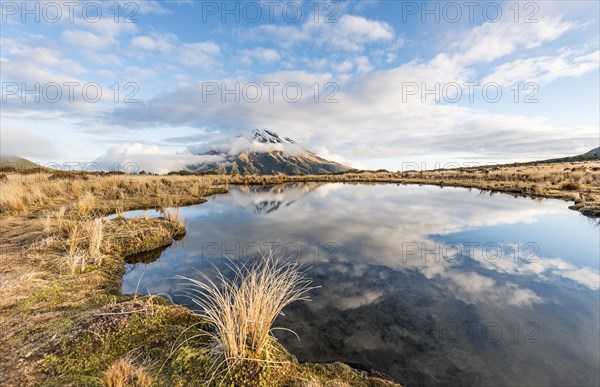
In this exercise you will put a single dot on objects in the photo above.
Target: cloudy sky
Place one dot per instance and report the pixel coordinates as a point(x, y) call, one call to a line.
point(375, 84)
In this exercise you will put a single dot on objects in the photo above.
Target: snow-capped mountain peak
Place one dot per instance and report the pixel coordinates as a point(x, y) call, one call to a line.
point(268, 137)
point(264, 152)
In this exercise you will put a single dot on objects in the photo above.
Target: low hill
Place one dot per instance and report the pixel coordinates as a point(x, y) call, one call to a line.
point(17, 164)
point(593, 155)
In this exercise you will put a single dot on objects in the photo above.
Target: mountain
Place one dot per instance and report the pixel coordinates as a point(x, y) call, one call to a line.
point(264, 152)
point(594, 154)
point(17, 163)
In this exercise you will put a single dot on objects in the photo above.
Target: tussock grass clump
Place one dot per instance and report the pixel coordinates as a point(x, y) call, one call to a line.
point(94, 230)
point(242, 310)
point(74, 231)
point(75, 258)
point(123, 373)
point(85, 204)
point(173, 216)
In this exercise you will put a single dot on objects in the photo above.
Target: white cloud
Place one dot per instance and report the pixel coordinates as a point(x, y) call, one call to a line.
point(326, 154)
point(350, 33)
point(371, 119)
point(237, 145)
point(42, 57)
point(17, 141)
point(151, 158)
point(344, 67)
point(545, 69)
point(147, 7)
point(88, 40)
point(491, 41)
point(168, 47)
point(260, 54)
point(161, 42)
point(107, 28)
point(203, 53)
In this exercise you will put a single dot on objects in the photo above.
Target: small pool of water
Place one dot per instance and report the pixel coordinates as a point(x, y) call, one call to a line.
point(429, 286)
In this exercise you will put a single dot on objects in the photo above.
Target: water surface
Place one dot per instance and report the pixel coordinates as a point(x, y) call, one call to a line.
point(429, 286)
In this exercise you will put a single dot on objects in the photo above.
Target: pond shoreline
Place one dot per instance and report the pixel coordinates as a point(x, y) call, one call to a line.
point(54, 315)
point(62, 325)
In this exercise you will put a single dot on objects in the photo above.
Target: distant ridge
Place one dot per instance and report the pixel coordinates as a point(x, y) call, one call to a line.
point(593, 155)
point(18, 163)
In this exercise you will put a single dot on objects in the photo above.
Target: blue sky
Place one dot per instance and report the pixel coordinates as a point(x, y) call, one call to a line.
point(176, 59)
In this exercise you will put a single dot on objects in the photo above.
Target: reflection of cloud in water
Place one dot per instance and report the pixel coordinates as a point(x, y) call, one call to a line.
point(377, 309)
point(370, 224)
point(541, 268)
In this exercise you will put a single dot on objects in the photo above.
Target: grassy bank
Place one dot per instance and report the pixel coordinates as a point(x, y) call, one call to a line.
point(63, 320)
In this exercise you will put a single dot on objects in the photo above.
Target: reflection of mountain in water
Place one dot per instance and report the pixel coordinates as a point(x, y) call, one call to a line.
point(268, 199)
point(267, 207)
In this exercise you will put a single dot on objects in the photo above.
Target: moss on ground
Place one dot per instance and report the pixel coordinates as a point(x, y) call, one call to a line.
point(148, 330)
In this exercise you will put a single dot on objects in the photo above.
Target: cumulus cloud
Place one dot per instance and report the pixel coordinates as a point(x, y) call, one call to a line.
point(151, 158)
point(371, 119)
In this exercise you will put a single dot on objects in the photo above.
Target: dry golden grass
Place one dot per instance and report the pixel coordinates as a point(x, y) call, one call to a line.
point(85, 204)
point(75, 258)
point(242, 310)
point(173, 216)
point(123, 373)
point(23, 193)
point(94, 230)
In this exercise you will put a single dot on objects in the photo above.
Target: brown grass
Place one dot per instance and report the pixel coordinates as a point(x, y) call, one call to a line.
point(85, 204)
point(94, 230)
point(173, 216)
point(123, 373)
point(242, 310)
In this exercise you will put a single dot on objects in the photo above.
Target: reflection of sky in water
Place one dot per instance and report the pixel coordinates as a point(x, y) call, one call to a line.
point(415, 280)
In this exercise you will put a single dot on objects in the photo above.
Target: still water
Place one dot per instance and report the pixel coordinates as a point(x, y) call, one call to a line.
point(428, 286)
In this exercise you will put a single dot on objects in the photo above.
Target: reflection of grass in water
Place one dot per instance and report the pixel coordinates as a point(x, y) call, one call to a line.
point(146, 257)
point(242, 310)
